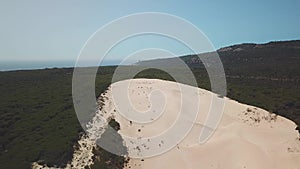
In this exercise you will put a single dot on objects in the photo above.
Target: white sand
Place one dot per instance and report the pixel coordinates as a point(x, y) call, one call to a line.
point(247, 137)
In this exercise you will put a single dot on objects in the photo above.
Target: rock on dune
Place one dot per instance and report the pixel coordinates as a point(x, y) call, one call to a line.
point(246, 137)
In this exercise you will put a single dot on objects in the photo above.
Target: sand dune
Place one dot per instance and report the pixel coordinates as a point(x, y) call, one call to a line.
point(247, 137)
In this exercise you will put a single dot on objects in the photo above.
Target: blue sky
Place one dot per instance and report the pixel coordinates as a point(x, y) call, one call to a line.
point(57, 29)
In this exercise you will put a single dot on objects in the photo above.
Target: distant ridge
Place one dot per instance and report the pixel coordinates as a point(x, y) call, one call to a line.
point(277, 59)
point(284, 44)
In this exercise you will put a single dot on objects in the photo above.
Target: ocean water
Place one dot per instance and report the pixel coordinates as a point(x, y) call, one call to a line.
point(30, 65)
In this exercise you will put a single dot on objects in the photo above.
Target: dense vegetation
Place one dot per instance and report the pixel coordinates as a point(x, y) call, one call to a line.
point(38, 121)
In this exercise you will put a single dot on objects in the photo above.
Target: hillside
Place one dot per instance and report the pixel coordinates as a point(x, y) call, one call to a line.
point(270, 60)
point(38, 121)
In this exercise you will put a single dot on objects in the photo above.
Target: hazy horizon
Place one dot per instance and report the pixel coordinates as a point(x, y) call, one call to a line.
point(57, 30)
point(12, 65)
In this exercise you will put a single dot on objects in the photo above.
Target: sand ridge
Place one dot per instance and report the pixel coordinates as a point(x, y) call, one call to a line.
point(247, 136)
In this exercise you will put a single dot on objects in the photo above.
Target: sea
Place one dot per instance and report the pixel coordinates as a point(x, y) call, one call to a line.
point(32, 65)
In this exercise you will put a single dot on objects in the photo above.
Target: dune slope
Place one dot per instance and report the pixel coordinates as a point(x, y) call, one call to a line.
point(246, 137)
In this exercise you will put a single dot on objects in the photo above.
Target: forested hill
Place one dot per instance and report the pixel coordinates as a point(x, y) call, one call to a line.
point(276, 60)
